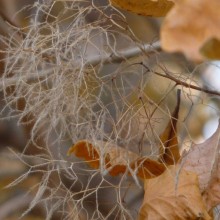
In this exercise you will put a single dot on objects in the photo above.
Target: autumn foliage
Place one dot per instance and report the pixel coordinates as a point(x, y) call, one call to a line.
point(189, 182)
point(177, 186)
point(190, 27)
point(107, 113)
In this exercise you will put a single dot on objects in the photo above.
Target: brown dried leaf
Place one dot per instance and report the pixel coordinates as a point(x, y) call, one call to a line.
point(116, 159)
point(212, 192)
point(156, 8)
point(190, 25)
point(203, 159)
point(173, 196)
point(169, 139)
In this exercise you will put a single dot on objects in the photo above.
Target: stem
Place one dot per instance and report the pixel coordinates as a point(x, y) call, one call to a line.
point(125, 54)
point(182, 83)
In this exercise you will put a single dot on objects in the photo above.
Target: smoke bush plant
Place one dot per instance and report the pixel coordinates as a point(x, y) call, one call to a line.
point(69, 75)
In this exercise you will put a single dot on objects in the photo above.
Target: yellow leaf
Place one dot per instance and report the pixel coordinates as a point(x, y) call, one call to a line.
point(189, 25)
point(116, 159)
point(173, 196)
point(169, 139)
point(156, 8)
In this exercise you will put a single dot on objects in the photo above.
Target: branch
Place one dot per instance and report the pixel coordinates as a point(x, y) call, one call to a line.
point(92, 61)
point(125, 54)
point(182, 83)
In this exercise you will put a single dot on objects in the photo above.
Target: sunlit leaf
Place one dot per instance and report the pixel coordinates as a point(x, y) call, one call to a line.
point(156, 8)
point(173, 195)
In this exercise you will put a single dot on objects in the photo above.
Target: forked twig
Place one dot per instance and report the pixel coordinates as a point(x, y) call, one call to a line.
point(182, 83)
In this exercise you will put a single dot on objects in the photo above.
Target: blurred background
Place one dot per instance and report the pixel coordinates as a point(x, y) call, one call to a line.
point(198, 118)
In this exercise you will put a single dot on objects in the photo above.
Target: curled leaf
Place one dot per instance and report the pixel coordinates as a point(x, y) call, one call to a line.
point(86, 151)
point(116, 159)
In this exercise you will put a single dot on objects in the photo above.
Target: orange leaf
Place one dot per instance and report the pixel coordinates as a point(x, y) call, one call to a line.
point(85, 150)
point(169, 138)
point(155, 8)
point(173, 195)
point(116, 159)
point(189, 25)
point(148, 168)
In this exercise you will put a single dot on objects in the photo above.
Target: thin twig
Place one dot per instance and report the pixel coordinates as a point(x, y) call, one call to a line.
point(182, 83)
point(92, 61)
point(124, 54)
